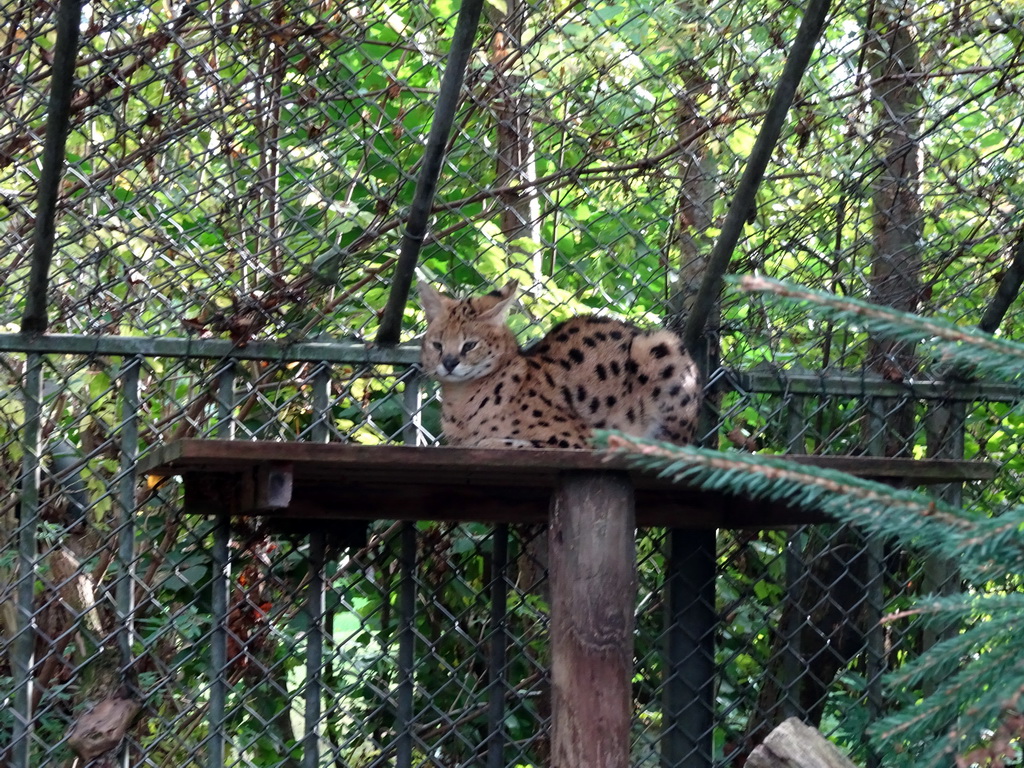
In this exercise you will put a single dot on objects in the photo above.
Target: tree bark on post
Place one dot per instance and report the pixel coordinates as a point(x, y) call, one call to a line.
point(593, 598)
point(895, 281)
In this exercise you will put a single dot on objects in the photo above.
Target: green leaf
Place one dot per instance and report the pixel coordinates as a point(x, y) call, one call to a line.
point(99, 385)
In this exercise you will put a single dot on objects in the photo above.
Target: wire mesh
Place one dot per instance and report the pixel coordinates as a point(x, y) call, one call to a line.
point(241, 171)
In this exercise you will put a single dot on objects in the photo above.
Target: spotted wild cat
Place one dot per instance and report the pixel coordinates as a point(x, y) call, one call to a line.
point(587, 373)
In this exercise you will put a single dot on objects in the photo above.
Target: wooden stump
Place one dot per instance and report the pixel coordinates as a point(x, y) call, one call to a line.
point(102, 728)
point(593, 598)
point(795, 745)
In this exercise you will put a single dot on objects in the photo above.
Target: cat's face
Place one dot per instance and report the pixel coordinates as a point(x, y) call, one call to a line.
point(466, 339)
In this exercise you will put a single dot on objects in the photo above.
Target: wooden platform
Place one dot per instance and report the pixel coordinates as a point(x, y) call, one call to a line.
point(593, 505)
point(357, 482)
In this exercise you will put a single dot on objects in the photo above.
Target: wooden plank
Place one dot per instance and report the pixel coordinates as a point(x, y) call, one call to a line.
point(593, 596)
point(354, 482)
point(466, 464)
point(910, 471)
point(225, 493)
point(272, 485)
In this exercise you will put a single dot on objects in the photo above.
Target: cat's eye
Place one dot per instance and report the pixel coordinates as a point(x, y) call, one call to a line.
point(437, 345)
point(468, 346)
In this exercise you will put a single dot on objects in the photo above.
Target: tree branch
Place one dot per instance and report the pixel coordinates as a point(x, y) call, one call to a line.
point(1006, 293)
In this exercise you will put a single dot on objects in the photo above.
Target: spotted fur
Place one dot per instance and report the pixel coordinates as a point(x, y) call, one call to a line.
point(587, 373)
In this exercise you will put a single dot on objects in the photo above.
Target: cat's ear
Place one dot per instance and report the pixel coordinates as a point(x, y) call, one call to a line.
point(496, 303)
point(434, 304)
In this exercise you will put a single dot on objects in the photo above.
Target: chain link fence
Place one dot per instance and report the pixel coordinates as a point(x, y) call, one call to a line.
point(237, 180)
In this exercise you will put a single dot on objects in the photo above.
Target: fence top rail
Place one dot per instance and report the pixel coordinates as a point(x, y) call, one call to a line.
point(347, 352)
point(795, 383)
point(302, 481)
point(802, 382)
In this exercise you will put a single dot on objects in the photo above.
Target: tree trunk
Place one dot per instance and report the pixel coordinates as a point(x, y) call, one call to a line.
point(694, 208)
point(897, 222)
point(831, 599)
point(516, 159)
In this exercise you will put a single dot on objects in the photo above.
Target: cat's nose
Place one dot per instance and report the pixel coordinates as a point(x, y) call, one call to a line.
point(449, 362)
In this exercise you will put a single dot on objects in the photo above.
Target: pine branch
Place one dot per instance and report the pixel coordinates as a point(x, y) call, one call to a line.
point(976, 672)
point(973, 679)
point(967, 607)
point(923, 520)
point(962, 708)
point(993, 548)
point(966, 346)
point(988, 548)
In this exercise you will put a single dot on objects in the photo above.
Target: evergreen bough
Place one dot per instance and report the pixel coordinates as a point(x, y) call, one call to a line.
point(969, 686)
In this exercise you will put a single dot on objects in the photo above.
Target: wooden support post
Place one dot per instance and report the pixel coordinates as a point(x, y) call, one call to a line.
point(593, 599)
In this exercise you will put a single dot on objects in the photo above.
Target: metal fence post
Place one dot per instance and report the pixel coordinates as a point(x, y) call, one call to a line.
point(316, 595)
point(498, 650)
point(221, 589)
point(795, 573)
point(406, 647)
point(875, 551)
point(412, 405)
point(23, 651)
point(688, 704)
point(125, 587)
point(315, 600)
